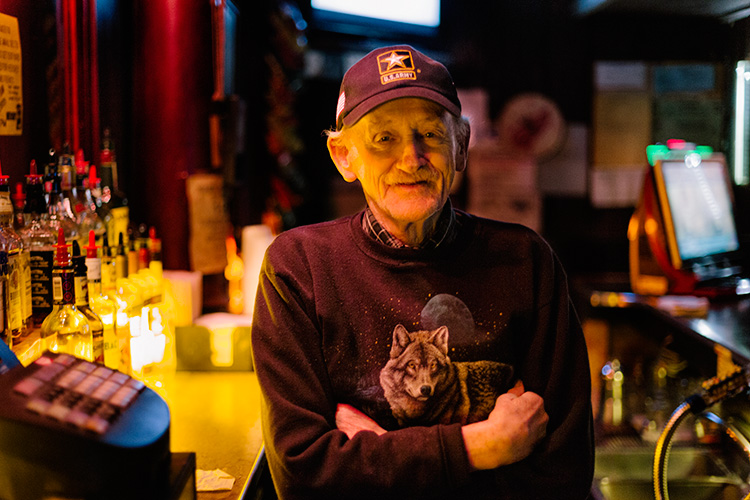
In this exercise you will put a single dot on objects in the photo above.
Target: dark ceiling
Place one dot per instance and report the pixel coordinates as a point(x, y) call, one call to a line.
point(727, 10)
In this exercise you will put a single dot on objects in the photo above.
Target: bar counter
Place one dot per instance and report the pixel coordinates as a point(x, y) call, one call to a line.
point(217, 416)
point(722, 322)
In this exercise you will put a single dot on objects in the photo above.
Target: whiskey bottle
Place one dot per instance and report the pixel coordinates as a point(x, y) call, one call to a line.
point(82, 303)
point(19, 304)
point(66, 329)
point(39, 237)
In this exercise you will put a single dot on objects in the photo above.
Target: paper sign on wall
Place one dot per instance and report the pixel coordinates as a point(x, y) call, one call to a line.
point(209, 223)
point(11, 83)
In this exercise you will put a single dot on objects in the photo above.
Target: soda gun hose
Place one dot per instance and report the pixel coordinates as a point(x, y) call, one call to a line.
point(714, 390)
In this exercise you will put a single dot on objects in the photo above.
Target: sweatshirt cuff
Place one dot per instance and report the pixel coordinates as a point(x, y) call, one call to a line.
point(455, 458)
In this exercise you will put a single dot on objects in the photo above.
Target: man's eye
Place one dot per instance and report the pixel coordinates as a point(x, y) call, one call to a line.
point(384, 138)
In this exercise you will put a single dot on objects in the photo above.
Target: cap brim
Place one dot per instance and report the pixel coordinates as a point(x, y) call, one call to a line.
point(397, 93)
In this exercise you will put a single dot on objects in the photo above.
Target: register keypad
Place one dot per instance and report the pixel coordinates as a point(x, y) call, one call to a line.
point(82, 394)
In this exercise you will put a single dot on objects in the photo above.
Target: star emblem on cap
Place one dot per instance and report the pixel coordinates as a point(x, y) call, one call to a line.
point(395, 60)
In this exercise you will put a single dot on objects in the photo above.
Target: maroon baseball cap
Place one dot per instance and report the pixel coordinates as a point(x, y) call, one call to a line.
point(390, 73)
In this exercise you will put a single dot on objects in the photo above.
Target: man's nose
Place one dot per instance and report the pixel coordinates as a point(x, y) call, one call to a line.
point(411, 155)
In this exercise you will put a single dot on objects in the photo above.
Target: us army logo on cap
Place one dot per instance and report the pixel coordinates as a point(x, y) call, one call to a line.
point(396, 65)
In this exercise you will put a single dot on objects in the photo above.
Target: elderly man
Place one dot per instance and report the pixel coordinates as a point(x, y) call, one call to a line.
point(413, 350)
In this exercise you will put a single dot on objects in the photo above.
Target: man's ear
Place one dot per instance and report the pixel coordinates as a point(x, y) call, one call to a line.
point(339, 152)
point(462, 147)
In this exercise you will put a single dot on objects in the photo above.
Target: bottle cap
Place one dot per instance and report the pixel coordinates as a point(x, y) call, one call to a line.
point(33, 177)
point(92, 247)
point(62, 257)
point(93, 179)
point(82, 165)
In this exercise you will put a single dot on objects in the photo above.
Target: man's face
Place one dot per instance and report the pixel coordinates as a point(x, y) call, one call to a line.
point(403, 154)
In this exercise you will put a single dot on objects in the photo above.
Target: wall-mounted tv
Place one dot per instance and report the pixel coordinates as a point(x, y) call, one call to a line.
point(381, 18)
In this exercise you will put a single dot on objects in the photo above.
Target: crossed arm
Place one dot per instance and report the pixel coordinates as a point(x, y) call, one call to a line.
point(516, 424)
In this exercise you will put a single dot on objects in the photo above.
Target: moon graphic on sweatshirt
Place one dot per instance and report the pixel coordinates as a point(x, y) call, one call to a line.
point(448, 310)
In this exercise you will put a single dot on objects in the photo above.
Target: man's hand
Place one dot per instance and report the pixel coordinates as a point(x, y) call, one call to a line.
point(516, 424)
point(351, 421)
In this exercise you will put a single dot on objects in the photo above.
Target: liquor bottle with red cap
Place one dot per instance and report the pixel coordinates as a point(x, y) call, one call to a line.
point(39, 237)
point(81, 281)
point(105, 308)
point(19, 292)
point(66, 329)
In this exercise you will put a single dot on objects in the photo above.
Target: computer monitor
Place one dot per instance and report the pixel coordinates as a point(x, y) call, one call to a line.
point(697, 207)
point(384, 18)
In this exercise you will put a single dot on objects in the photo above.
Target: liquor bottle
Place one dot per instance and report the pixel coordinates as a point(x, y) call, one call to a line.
point(66, 172)
point(19, 291)
point(132, 253)
point(104, 307)
point(121, 258)
point(50, 173)
point(60, 213)
point(19, 200)
point(115, 210)
point(39, 237)
point(109, 290)
point(66, 329)
point(82, 303)
point(84, 206)
point(162, 315)
point(5, 335)
point(142, 243)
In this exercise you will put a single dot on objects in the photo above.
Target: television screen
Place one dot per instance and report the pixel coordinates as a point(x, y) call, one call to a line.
point(697, 203)
point(418, 17)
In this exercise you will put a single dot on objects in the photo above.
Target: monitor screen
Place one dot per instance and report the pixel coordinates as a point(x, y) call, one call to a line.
point(697, 205)
point(415, 17)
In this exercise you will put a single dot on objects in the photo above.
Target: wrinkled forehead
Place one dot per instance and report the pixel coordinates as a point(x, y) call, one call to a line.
point(406, 110)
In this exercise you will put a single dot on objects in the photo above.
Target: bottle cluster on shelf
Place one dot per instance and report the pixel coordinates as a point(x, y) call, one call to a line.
point(74, 275)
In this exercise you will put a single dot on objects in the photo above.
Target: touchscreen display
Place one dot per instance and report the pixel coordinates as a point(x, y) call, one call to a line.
point(700, 203)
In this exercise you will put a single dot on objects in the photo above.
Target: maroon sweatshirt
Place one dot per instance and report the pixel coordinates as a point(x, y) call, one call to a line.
point(329, 301)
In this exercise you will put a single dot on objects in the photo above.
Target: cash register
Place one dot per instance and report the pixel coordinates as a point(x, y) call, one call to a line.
point(74, 429)
point(683, 237)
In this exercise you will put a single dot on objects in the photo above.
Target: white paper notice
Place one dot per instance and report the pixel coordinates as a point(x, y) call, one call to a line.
point(11, 83)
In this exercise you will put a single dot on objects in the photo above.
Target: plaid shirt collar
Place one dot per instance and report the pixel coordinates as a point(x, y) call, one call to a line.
point(445, 230)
